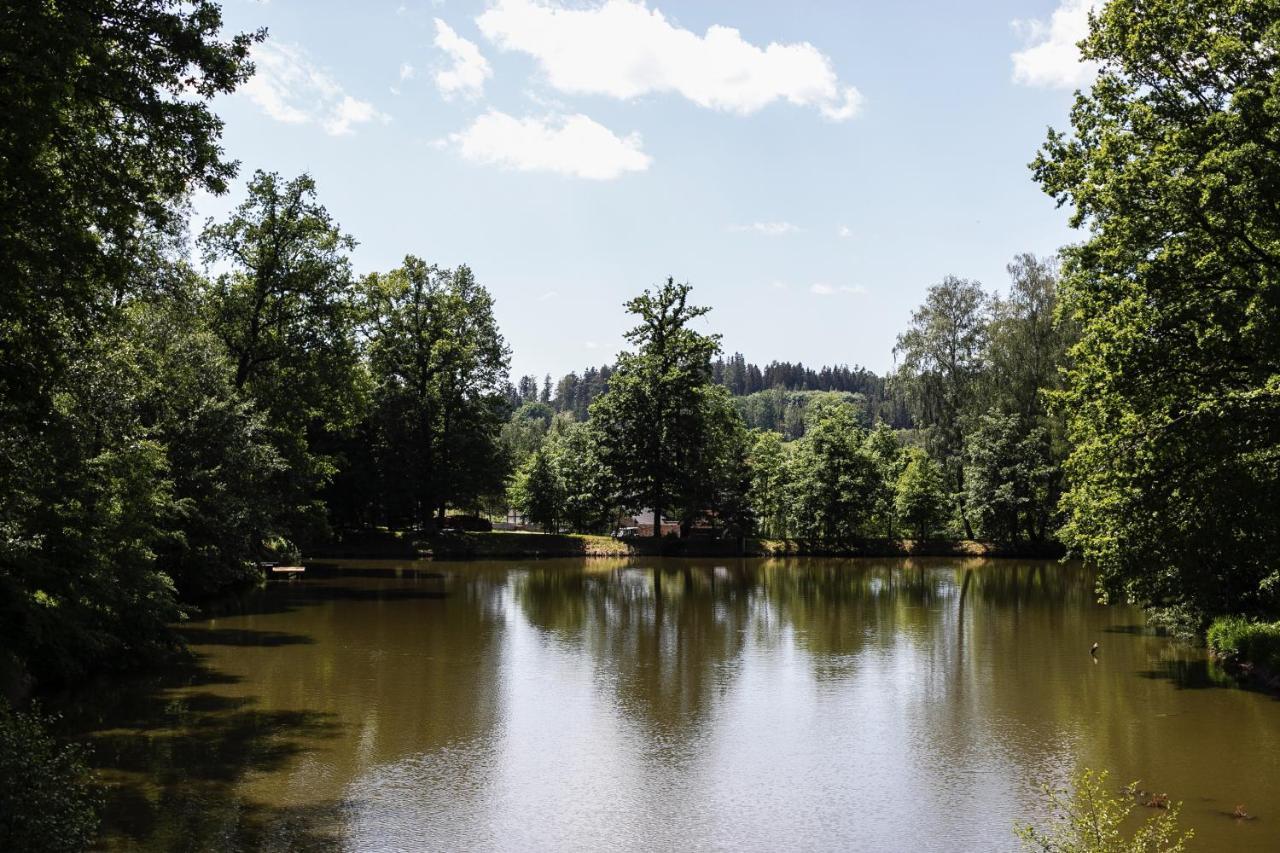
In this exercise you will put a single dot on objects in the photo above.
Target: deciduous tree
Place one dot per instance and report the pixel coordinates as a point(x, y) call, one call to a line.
point(653, 421)
point(1173, 393)
point(941, 368)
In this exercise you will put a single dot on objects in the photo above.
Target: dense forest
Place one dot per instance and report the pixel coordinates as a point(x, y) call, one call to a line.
point(178, 402)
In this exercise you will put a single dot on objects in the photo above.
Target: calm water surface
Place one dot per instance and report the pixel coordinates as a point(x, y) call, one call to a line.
point(665, 704)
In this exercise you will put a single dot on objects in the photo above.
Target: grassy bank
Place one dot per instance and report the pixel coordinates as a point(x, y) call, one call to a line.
point(1249, 650)
point(501, 545)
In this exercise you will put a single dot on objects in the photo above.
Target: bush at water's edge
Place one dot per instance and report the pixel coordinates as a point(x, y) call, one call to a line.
point(48, 799)
point(1249, 649)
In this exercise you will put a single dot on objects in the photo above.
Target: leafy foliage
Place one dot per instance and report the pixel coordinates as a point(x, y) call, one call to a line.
point(941, 368)
point(769, 483)
point(115, 126)
point(1173, 393)
point(48, 800)
point(115, 130)
point(786, 411)
point(920, 496)
point(1090, 819)
point(1236, 639)
point(538, 492)
point(833, 479)
point(286, 314)
point(1008, 475)
point(437, 362)
point(654, 422)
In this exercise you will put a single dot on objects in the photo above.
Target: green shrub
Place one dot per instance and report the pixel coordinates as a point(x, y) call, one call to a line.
point(1090, 819)
point(1239, 640)
point(48, 800)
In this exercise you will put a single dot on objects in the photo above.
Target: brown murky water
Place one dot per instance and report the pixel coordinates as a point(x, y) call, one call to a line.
point(671, 705)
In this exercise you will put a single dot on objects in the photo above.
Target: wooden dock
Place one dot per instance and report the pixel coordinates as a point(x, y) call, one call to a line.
point(272, 569)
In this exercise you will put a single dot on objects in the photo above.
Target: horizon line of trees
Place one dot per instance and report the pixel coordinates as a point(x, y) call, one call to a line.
point(982, 459)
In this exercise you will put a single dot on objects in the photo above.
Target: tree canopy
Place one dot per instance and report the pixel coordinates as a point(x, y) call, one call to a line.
point(1172, 399)
point(654, 421)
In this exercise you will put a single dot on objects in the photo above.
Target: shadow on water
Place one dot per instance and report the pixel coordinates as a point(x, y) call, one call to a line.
point(1201, 674)
point(195, 635)
point(1137, 630)
point(172, 754)
point(286, 596)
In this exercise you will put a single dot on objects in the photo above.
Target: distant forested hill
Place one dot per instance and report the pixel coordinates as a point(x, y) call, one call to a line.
point(773, 397)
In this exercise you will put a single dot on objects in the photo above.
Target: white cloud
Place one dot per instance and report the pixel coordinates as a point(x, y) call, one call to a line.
point(845, 231)
point(824, 289)
point(469, 70)
point(624, 49)
point(407, 71)
point(550, 294)
point(592, 345)
point(564, 144)
point(289, 88)
point(1051, 58)
point(769, 229)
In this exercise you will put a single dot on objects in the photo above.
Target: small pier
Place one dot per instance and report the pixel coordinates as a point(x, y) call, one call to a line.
point(278, 571)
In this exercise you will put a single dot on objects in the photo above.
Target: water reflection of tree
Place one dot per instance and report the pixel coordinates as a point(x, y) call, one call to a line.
point(670, 631)
point(664, 635)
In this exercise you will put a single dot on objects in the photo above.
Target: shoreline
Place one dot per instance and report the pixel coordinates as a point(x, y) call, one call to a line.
point(511, 545)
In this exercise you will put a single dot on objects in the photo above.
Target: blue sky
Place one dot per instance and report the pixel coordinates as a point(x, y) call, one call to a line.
point(810, 167)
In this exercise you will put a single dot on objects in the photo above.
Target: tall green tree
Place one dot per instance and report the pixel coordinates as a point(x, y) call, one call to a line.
point(653, 421)
point(110, 129)
point(438, 365)
point(1009, 477)
point(109, 125)
point(719, 492)
point(769, 486)
point(833, 477)
point(920, 495)
point(941, 369)
point(1027, 341)
point(538, 492)
point(221, 462)
point(286, 312)
point(885, 449)
point(1025, 356)
point(588, 491)
point(1173, 393)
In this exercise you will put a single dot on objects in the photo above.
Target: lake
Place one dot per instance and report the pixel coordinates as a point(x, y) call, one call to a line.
point(809, 704)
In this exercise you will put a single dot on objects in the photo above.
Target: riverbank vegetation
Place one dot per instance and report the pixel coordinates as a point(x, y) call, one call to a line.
point(1089, 818)
point(1172, 393)
point(49, 799)
point(1248, 646)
